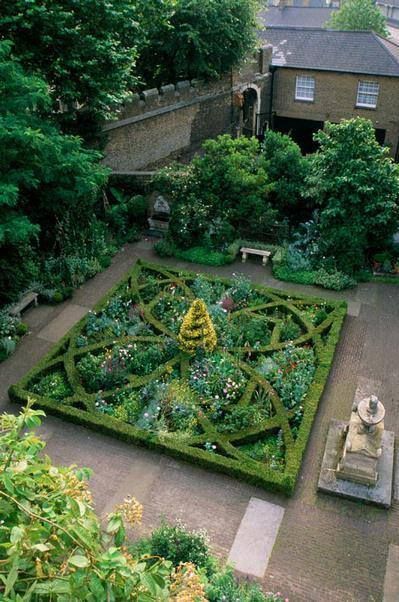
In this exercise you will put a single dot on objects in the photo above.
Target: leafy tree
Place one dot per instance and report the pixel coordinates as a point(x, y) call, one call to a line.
point(359, 15)
point(49, 184)
point(85, 51)
point(53, 546)
point(195, 38)
point(355, 185)
point(221, 195)
point(286, 169)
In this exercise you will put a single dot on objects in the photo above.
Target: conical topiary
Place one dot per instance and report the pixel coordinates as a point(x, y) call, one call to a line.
point(197, 330)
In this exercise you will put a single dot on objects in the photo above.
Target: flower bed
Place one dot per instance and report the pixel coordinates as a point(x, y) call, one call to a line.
point(244, 407)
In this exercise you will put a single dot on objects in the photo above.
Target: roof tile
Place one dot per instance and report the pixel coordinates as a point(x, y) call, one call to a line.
point(329, 50)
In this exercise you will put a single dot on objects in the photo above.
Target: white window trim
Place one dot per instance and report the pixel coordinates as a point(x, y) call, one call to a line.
point(305, 98)
point(365, 105)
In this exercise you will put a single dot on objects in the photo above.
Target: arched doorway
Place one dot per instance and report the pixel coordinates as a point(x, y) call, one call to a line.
point(250, 110)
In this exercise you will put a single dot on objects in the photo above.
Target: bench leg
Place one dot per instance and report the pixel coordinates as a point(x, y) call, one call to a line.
point(244, 257)
point(264, 260)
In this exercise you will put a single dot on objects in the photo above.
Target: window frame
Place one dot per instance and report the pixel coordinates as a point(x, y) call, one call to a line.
point(302, 86)
point(365, 93)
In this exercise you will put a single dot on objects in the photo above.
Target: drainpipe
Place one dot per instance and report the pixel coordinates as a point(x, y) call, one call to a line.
point(273, 69)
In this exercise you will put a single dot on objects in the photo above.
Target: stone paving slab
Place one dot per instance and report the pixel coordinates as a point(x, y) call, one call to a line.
point(391, 582)
point(255, 538)
point(354, 308)
point(60, 325)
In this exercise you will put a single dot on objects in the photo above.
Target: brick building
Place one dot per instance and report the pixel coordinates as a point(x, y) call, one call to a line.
point(322, 75)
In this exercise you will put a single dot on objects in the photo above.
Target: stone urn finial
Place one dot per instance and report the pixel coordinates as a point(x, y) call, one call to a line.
point(371, 411)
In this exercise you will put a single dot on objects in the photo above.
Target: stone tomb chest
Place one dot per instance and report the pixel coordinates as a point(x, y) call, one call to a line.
point(160, 213)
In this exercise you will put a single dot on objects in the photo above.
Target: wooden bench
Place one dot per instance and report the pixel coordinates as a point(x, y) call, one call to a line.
point(264, 254)
point(23, 303)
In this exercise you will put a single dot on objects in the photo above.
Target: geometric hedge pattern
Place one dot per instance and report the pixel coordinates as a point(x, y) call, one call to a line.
point(149, 285)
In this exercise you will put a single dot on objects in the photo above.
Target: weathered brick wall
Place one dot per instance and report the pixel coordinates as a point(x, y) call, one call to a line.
point(335, 99)
point(160, 125)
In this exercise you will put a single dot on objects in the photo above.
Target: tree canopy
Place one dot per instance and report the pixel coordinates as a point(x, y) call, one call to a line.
point(194, 38)
point(355, 185)
point(47, 179)
point(85, 51)
point(357, 15)
point(53, 545)
point(286, 168)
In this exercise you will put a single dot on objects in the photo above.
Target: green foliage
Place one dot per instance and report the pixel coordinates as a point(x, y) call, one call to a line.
point(177, 544)
point(53, 544)
point(194, 39)
point(290, 330)
point(197, 330)
point(165, 247)
point(336, 281)
point(57, 40)
point(141, 388)
point(11, 329)
point(357, 15)
point(355, 185)
point(54, 386)
point(224, 586)
point(46, 179)
point(202, 255)
point(205, 256)
point(286, 169)
point(220, 194)
point(283, 272)
point(126, 215)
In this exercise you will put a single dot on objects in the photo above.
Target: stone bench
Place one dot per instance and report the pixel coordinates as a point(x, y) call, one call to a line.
point(23, 303)
point(246, 251)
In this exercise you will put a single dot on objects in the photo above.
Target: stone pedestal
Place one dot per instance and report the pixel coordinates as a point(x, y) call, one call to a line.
point(379, 494)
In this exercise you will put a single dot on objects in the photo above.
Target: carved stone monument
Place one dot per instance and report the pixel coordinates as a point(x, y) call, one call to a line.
point(358, 459)
point(363, 443)
point(160, 215)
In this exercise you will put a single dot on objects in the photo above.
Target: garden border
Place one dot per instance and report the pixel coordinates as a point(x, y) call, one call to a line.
point(248, 471)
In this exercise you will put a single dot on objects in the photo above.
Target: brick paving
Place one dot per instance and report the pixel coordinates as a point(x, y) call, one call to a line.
point(327, 549)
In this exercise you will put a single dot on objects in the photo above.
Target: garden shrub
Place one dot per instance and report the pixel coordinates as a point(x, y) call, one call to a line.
point(336, 281)
point(165, 247)
point(356, 189)
point(179, 545)
point(11, 330)
point(286, 169)
point(126, 216)
point(219, 195)
point(197, 331)
point(224, 586)
point(202, 255)
point(259, 387)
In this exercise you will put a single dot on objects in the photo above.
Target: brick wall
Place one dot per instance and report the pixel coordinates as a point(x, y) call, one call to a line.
point(171, 123)
point(335, 99)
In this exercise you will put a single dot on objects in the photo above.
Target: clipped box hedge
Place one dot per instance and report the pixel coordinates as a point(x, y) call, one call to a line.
point(80, 407)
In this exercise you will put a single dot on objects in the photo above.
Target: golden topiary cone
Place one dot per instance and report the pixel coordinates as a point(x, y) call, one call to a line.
point(197, 330)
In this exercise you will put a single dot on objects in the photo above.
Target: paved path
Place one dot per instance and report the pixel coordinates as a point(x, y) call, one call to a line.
point(327, 549)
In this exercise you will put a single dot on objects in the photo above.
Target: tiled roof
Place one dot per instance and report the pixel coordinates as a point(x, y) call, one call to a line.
point(329, 50)
point(293, 16)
